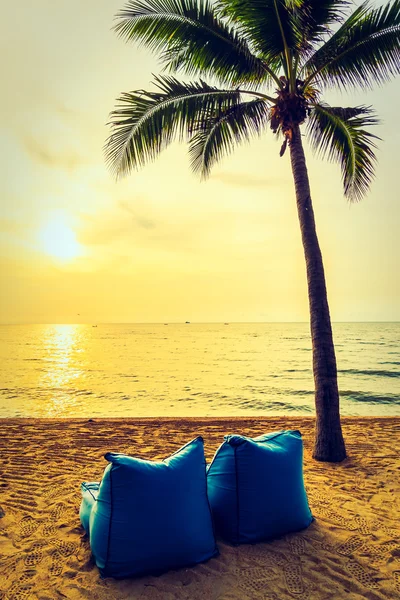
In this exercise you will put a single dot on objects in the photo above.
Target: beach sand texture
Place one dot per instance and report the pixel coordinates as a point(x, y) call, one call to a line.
point(351, 550)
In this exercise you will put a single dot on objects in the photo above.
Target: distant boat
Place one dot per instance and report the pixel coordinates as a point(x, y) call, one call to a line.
point(94, 325)
point(187, 322)
point(165, 323)
point(226, 323)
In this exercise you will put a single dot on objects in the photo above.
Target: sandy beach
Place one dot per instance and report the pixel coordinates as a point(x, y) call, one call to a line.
point(351, 550)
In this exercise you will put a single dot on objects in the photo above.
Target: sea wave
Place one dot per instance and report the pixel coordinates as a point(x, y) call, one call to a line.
point(371, 372)
point(375, 399)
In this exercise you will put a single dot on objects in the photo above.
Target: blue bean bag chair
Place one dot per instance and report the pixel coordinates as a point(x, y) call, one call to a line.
point(256, 489)
point(147, 517)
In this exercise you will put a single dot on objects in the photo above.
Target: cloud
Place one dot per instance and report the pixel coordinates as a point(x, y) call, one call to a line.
point(135, 232)
point(126, 222)
point(130, 229)
point(65, 159)
point(141, 221)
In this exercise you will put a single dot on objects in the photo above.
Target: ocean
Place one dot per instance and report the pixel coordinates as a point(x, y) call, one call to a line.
point(235, 369)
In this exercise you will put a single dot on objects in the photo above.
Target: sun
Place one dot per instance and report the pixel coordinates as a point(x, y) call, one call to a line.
point(58, 238)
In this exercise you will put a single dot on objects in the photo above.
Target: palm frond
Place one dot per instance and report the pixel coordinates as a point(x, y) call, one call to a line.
point(365, 49)
point(144, 123)
point(190, 38)
point(314, 19)
point(272, 23)
point(269, 24)
point(218, 135)
point(339, 133)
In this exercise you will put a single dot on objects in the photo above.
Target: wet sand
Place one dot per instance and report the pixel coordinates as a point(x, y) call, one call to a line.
point(351, 550)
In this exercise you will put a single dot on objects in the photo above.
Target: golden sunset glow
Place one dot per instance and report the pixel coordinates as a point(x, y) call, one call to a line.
point(160, 245)
point(200, 240)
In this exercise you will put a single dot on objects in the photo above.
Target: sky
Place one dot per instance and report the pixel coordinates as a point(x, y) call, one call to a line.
point(160, 246)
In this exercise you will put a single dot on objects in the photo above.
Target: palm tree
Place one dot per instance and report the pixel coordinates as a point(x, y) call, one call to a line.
point(297, 49)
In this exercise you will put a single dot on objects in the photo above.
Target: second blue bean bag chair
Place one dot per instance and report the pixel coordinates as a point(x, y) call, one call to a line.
point(256, 488)
point(147, 517)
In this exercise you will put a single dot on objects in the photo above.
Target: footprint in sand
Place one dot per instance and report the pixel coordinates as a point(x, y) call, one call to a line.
point(361, 574)
point(56, 563)
point(297, 545)
point(336, 519)
point(20, 588)
point(365, 526)
point(28, 526)
point(57, 511)
point(351, 545)
point(64, 548)
point(49, 529)
point(317, 497)
point(376, 524)
point(294, 578)
point(8, 569)
point(19, 592)
point(384, 549)
point(318, 541)
point(27, 576)
point(35, 556)
point(396, 576)
point(362, 525)
point(254, 579)
point(235, 596)
point(266, 557)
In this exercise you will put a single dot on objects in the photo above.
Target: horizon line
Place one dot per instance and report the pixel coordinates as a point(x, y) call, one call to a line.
point(183, 322)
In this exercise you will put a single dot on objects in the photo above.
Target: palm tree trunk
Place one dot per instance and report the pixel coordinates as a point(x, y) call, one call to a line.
point(329, 443)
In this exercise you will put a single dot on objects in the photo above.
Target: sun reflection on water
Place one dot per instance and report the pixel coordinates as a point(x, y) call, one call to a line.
point(61, 344)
